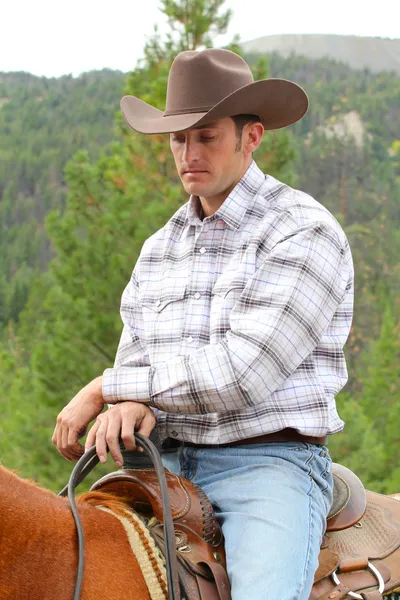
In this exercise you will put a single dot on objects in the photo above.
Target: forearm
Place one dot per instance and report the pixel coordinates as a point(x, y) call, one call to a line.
point(202, 383)
point(281, 315)
point(240, 371)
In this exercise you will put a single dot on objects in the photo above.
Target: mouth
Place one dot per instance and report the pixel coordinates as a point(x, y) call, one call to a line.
point(193, 172)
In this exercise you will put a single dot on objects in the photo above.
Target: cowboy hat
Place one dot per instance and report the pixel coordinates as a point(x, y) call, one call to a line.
point(211, 84)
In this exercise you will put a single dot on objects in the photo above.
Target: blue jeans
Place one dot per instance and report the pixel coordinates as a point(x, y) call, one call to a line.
point(272, 501)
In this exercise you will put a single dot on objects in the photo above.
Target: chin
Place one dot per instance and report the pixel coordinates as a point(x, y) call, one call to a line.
point(196, 189)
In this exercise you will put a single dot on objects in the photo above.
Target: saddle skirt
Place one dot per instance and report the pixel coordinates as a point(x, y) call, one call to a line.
point(360, 552)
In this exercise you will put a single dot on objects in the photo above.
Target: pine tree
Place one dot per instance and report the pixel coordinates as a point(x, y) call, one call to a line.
point(370, 442)
point(113, 205)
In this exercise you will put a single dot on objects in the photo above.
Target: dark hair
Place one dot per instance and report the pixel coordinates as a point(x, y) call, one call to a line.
point(240, 122)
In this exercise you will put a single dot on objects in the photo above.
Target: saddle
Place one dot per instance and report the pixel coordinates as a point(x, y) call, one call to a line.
point(198, 537)
point(360, 552)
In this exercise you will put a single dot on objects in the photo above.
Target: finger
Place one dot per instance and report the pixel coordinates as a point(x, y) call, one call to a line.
point(54, 436)
point(70, 456)
point(74, 448)
point(127, 432)
point(101, 444)
point(57, 433)
point(63, 448)
point(64, 439)
point(91, 437)
point(147, 424)
point(112, 437)
point(60, 443)
point(65, 454)
point(76, 451)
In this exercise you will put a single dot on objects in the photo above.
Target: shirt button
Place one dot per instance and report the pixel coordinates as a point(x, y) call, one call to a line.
point(202, 250)
point(174, 433)
point(189, 339)
point(197, 295)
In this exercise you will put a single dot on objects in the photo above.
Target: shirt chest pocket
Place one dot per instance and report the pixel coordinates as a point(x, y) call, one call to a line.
point(227, 283)
point(163, 307)
point(226, 294)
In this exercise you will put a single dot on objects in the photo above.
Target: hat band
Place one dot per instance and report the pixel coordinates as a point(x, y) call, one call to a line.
point(187, 111)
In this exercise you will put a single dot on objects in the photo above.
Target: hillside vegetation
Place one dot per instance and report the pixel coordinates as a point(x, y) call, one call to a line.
point(359, 52)
point(79, 194)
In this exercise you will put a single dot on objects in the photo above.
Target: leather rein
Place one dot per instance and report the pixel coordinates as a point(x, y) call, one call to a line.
point(82, 468)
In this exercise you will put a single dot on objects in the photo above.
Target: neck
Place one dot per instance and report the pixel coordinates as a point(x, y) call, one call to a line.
point(36, 533)
point(211, 204)
point(39, 548)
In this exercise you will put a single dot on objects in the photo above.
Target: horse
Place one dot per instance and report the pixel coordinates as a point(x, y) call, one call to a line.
point(39, 551)
point(38, 558)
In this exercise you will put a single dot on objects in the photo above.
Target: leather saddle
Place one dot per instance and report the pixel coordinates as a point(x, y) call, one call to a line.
point(198, 537)
point(360, 552)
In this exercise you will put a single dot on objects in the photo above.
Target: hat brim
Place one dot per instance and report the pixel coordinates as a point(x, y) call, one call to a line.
point(278, 103)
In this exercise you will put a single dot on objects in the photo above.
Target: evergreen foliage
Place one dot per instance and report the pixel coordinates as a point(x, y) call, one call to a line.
point(71, 230)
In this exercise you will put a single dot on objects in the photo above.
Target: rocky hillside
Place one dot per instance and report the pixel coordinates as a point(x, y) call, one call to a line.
point(373, 53)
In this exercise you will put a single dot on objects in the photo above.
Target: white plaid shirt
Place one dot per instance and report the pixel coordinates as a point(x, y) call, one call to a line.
point(234, 326)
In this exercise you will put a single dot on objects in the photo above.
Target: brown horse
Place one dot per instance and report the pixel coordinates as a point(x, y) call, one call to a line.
point(38, 547)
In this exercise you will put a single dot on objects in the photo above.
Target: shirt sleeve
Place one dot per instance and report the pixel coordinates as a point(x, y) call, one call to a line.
point(277, 321)
point(132, 351)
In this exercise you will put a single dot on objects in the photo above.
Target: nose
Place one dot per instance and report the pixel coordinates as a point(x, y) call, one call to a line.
point(190, 151)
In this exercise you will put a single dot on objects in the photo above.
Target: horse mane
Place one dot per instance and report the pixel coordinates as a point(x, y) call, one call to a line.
point(116, 504)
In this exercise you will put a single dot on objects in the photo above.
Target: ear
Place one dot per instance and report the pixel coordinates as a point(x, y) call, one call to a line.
point(252, 136)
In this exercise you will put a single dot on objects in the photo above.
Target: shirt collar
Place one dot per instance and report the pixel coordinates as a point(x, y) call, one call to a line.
point(235, 206)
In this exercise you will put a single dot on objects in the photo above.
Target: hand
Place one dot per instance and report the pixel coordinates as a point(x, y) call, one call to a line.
point(122, 420)
point(75, 417)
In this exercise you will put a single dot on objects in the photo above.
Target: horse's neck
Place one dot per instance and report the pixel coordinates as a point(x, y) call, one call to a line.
point(35, 526)
point(24, 501)
point(39, 550)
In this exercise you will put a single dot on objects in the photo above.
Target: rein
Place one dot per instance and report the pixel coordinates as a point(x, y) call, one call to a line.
point(82, 468)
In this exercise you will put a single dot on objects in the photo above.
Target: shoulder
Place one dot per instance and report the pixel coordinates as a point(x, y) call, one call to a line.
point(285, 211)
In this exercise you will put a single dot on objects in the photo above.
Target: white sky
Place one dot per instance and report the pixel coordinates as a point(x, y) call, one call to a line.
point(51, 37)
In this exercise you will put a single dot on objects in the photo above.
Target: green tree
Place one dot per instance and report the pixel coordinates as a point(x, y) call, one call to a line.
point(112, 206)
point(196, 22)
point(120, 192)
point(370, 442)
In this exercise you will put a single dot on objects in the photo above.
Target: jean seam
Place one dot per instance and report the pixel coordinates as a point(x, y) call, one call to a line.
point(310, 540)
point(325, 472)
point(191, 461)
point(310, 522)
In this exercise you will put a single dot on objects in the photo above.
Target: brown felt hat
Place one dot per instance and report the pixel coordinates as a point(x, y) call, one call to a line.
point(211, 84)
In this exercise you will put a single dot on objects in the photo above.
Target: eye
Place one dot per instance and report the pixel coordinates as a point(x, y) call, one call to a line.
point(206, 138)
point(179, 140)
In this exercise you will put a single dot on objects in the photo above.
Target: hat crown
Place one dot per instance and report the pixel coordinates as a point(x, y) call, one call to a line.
point(199, 80)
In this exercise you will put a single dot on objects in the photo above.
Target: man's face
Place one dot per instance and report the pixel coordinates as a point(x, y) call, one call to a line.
point(208, 159)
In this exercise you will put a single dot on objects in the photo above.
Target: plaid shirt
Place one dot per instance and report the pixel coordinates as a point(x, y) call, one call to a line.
point(234, 326)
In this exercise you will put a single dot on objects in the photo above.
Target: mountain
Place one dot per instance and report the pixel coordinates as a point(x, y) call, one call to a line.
point(59, 322)
point(373, 53)
point(350, 136)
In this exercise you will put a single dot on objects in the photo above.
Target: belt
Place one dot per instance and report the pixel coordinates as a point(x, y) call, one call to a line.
point(285, 435)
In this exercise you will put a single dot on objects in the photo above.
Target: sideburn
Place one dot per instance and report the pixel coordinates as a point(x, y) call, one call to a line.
point(238, 146)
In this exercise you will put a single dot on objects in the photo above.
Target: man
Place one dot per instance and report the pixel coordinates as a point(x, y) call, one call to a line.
point(234, 324)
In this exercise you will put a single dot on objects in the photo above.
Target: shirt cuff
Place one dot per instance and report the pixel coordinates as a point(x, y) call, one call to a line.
point(126, 383)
